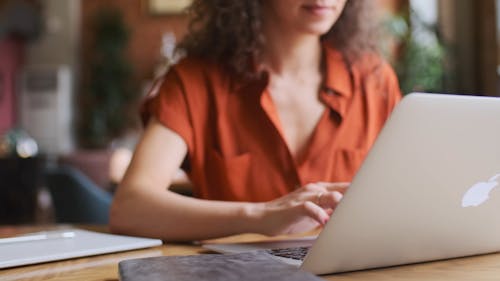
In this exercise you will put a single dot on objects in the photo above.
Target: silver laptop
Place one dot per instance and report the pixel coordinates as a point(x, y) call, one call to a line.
point(427, 190)
point(65, 244)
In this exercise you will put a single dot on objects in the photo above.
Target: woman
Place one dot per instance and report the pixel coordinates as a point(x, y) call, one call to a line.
point(270, 115)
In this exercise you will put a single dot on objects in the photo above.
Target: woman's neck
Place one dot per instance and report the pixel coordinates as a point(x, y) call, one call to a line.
point(291, 54)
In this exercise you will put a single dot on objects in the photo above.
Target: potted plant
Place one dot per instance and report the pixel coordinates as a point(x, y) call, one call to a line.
point(109, 95)
point(419, 60)
point(111, 90)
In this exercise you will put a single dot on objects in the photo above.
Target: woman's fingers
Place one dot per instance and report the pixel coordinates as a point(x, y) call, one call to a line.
point(315, 212)
point(321, 210)
point(314, 187)
point(329, 200)
point(325, 194)
point(313, 203)
point(304, 208)
point(335, 186)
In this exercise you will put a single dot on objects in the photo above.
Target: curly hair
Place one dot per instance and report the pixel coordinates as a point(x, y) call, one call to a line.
point(229, 32)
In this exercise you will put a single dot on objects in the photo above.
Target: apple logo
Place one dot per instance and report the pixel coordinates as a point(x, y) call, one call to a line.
point(479, 193)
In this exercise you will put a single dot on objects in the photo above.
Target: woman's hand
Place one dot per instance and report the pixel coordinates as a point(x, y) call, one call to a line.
point(301, 210)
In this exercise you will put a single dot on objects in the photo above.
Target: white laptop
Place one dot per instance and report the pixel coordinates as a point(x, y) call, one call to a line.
point(65, 244)
point(427, 190)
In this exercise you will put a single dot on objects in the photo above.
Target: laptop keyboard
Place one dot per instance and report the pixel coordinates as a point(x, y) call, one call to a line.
point(298, 253)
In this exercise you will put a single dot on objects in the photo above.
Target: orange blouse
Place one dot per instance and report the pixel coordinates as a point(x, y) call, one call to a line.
point(231, 128)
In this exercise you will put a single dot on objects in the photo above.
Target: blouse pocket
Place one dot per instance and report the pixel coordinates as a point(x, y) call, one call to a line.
point(228, 177)
point(347, 163)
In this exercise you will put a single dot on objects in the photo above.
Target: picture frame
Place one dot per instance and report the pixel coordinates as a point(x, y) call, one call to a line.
point(166, 7)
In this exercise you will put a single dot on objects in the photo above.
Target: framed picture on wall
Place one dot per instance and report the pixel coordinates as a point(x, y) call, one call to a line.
point(166, 7)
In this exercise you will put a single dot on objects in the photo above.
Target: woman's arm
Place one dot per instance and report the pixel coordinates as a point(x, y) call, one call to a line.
point(144, 206)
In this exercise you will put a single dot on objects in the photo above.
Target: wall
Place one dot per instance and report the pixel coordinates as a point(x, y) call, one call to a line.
point(57, 49)
point(394, 6)
point(11, 54)
point(147, 30)
point(469, 28)
point(60, 41)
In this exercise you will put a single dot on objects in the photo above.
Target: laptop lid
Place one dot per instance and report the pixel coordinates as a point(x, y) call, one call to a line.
point(427, 190)
point(65, 244)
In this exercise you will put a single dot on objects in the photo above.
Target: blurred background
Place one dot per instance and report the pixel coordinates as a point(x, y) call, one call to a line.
point(73, 72)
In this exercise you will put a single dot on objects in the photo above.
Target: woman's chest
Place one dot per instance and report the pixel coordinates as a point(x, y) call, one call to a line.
point(298, 111)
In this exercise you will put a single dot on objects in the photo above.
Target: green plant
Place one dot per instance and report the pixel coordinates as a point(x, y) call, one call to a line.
point(111, 89)
point(420, 60)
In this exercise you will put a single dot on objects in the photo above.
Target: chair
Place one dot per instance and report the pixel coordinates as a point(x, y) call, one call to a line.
point(75, 197)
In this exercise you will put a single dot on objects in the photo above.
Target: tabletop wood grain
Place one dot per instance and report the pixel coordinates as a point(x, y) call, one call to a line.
point(105, 267)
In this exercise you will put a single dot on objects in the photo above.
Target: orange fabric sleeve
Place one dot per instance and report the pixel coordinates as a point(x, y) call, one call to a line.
point(169, 105)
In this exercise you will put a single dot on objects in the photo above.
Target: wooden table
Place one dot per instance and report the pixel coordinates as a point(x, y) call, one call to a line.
point(105, 267)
